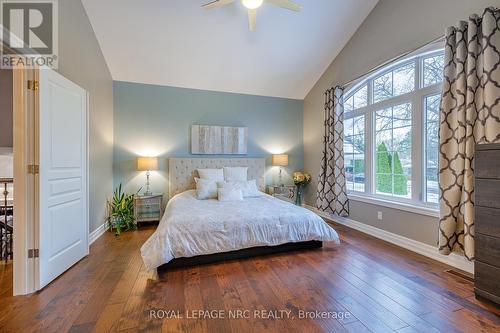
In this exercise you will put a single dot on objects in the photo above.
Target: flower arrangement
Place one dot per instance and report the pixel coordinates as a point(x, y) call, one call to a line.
point(300, 179)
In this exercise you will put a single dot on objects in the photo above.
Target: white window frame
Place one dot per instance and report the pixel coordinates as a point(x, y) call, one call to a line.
point(417, 100)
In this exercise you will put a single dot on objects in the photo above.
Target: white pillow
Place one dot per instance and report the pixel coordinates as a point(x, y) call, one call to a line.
point(213, 174)
point(233, 174)
point(206, 189)
point(229, 194)
point(248, 188)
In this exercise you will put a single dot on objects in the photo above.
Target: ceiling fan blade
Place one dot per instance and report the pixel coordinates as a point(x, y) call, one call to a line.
point(287, 4)
point(217, 3)
point(252, 19)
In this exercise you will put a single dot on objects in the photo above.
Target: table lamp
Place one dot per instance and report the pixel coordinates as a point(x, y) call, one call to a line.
point(147, 164)
point(280, 160)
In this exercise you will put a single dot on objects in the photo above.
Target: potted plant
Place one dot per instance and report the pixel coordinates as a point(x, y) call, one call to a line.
point(121, 212)
point(300, 179)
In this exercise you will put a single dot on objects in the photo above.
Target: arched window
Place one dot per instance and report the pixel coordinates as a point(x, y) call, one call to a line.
point(391, 124)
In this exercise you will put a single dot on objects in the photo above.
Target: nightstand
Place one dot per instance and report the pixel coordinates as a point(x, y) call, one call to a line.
point(285, 192)
point(148, 208)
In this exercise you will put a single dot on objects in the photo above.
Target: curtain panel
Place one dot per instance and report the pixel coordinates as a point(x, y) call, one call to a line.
point(469, 115)
point(332, 190)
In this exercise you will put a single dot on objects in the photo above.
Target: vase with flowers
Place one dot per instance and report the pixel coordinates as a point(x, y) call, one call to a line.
point(300, 179)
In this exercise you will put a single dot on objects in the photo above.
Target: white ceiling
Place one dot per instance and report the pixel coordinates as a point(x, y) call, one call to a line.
point(177, 43)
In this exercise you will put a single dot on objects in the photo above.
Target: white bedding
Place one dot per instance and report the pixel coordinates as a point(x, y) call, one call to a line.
point(192, 227)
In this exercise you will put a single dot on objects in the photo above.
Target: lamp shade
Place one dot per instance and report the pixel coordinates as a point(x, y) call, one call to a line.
point(280, 160)
point(147, 163)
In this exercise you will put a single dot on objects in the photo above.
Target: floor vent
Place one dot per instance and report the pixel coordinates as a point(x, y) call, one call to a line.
point(460, 275)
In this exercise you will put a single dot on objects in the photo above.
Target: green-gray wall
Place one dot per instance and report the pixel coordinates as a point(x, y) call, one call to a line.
point(81, 61)
point(156, 120)
point(392, 28)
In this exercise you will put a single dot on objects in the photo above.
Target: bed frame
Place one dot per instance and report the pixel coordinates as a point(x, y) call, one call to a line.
point(181, 174)
point(240, 254)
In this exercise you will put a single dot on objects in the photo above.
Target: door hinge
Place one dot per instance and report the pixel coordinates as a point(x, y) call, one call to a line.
point(33, 253)
point(33, 85)
point(33, 169)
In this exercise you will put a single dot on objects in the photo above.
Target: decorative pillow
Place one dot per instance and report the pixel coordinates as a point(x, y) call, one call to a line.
point(229, 194)
point(213, 174)
point(233, 174)
point(206, 189)
point(248, 188)
point(252, 189)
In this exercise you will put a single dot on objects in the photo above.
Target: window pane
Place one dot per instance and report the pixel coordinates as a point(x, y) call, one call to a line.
point(402, 173)
point(348, 127)
point(382, 87)
point(359, 172)
point(349, 171)
point(359, 164)
point(348, 104)
point(359, 125)
point(404, 79)
point(431, 176)
point(433, 70)
point(393, 151)
point(361, 98)
point(432, 132)
point(384, 138)
point(358, 143)
point(384, 183)
point(384, 119)
point(432, 107)
point(348, 146)
point(402, 186)
point(354, 154)
point(401, 139)
point(402, 115)
point(431, 147)
point(383, 161)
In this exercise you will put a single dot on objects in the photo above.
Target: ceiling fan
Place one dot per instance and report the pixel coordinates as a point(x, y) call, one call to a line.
point(253, 5)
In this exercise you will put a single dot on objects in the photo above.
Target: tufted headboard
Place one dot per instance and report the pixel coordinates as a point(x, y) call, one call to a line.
point(181, 171)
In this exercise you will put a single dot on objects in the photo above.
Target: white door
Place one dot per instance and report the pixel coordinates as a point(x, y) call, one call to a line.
point(63, 220)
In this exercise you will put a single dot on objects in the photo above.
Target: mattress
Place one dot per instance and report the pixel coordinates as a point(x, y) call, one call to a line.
point(192, 227)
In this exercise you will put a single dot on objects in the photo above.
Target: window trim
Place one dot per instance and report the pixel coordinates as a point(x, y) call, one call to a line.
point(405, 206)
point(417, 100)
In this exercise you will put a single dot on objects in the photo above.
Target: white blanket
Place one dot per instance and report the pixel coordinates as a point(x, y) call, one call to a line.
point(192, 227)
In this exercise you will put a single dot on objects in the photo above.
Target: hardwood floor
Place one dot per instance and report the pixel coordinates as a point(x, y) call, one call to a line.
point(367, 284)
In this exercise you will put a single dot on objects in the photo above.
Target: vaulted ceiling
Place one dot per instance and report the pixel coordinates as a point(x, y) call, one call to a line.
point(177, 43)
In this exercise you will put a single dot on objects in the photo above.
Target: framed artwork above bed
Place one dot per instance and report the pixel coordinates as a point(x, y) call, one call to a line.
point(218, 140)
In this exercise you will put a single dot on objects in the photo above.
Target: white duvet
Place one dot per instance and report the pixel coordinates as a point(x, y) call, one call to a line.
point(192, 227)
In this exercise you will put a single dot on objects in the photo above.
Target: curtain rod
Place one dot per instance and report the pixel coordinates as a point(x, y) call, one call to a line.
point(441, 38)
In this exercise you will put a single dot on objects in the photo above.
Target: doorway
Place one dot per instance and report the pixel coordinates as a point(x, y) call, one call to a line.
point(6, 181)
point(47, 199)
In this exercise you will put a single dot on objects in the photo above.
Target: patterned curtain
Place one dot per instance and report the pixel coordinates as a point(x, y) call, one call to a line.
point(470, 114)
point(332, 191)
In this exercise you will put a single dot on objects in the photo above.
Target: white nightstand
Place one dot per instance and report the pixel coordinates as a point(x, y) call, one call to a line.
point(285, 192)
point(148, 208)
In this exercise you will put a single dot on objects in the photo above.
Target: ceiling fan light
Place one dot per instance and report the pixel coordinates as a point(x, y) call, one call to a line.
point(252, 4)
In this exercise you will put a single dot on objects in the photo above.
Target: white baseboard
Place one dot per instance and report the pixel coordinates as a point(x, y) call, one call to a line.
point(427, 250)
point(94, 235)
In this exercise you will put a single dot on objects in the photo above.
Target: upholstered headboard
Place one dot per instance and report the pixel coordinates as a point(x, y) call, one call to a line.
point(181, 171)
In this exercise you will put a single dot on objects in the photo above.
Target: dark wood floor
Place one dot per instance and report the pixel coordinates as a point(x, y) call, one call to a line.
point(374, 285)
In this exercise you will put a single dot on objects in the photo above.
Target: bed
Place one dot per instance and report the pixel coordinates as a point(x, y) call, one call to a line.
point(194, 231)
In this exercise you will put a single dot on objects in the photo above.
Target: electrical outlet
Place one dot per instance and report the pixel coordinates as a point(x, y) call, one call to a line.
point(379, 216)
